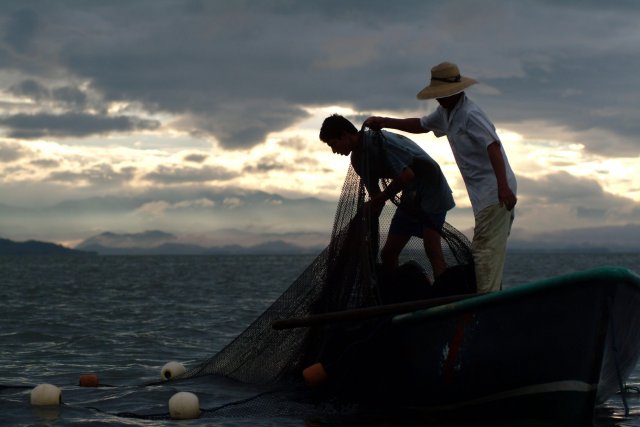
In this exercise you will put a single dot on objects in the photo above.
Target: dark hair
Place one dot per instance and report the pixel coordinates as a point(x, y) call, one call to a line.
point(334, 126)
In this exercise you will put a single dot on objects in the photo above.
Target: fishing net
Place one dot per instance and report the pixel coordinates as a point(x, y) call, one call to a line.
point(346, 275)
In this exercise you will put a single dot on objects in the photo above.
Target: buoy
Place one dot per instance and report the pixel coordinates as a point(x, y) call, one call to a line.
point(89, 380)
point(315, 374)
point(184, 406)
point(46, 395)
point(172, 370)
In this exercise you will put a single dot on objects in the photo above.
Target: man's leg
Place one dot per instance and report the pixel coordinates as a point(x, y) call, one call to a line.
point(433, 249)
point(489, 246)
point(392, 248)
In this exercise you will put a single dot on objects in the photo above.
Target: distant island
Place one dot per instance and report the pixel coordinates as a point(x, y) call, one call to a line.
point(93, 247)
point(622, 239)
point(155, 242)
point(33, 247)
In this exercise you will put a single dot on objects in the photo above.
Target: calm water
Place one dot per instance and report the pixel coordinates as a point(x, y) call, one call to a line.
point(123, 318)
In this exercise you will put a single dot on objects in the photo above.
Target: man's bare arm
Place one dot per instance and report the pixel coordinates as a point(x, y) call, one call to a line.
point(378, 200)
point(411, 125)
point(505, 195)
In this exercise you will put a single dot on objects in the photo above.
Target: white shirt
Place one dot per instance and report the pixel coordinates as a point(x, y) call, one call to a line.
point(470, 132)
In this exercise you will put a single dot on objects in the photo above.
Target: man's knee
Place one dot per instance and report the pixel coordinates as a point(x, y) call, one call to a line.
point(489, 265)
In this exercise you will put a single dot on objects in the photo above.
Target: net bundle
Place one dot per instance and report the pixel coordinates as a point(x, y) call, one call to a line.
point(345, 275)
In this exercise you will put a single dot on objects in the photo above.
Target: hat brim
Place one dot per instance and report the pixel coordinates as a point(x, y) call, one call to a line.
point(439, 89)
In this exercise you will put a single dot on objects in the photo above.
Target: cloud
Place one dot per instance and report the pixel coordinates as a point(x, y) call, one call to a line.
point(35, 126)
point(237, 73)
point(561, 200)
point(70, 96)
point(232, 202)
point(97, 175)
point(21, 29)
point(196, 158)
point(560, 186)
point(266, 164)
point(159, 207)
point(185, 174)
point(31, 89)
point(45, 163)
point(240, 124)
point(295, 143)
point(274, 163)
point(60, 98)
point(10, 152)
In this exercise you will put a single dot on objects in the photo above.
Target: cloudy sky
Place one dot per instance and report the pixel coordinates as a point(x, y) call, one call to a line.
point(173, 103)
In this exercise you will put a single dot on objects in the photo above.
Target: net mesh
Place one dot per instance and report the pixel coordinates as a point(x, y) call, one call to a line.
point(345, 275)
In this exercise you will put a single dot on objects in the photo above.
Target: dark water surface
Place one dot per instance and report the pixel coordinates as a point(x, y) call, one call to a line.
point(123, 318)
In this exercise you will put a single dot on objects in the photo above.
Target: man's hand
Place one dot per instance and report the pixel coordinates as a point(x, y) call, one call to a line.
point(374, 122)
point(507, 198)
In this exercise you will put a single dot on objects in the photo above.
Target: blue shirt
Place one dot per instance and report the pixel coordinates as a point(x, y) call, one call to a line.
point(385, 155)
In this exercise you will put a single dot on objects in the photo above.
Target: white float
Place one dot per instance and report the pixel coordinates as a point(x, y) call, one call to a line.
point(184, 406)
point(46, 395)
point(172, 370)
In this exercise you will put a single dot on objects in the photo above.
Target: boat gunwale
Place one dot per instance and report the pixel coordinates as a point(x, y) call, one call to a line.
point(608, 273)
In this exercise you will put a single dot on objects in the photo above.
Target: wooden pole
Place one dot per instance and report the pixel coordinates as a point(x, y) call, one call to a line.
point(365, 313)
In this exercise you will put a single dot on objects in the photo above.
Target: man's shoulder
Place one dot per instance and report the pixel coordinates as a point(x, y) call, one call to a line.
point(472, 109)
point(396, 138)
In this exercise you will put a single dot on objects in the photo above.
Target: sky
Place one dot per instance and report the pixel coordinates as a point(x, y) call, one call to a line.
point(128, 116)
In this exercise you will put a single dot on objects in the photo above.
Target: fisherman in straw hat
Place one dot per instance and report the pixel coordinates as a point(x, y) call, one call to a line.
point(483, 163)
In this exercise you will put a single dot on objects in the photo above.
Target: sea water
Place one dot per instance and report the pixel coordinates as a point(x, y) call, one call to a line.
point(123, 318)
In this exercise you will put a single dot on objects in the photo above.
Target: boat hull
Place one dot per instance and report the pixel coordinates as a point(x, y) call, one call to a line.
point(549, 350)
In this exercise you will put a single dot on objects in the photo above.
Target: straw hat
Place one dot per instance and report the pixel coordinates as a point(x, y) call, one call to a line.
point(445, 81)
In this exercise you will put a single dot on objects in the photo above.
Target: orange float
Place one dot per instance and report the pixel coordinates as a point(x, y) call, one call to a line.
point(315, 374)
point(89, 380)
